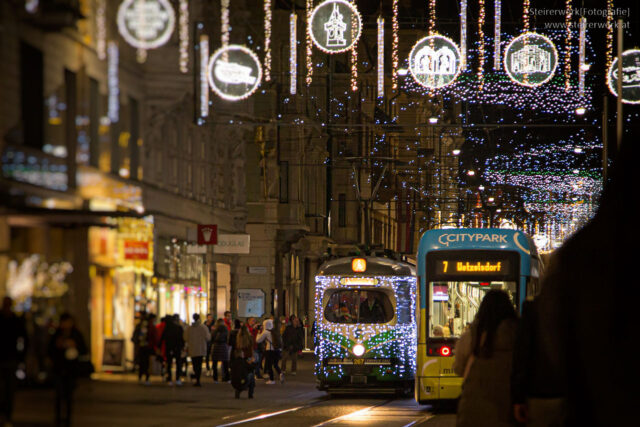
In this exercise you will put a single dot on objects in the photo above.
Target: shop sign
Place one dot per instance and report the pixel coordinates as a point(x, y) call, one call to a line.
point(630, 76)
point(207, 234)
point(335, 26)
point(234, 72)
point(146, 24)
point(232, 244)
point(530, 59)
point(136, 250)
point(257, 270)
point(250, 302)
point(434, 61)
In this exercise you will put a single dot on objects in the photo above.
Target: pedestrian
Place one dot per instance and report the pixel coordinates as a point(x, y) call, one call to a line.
point(13, 340)
point(258, 348)
point(197, 336)
point(228, 322)
point(146, 340)
point(483, 357)
point(242, 377)
point(220, 350)
point(67, 349)
point(293, 342)
point(209, 324)
point(161, 349)
point(173, 339)
point(586, 310)
point(135, 339)
point(270, 335)
point(231, 340)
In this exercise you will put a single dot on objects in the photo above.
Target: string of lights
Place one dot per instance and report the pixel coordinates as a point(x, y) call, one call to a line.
point(481, 52)
point(293, 53)
point(526, 5)
point(380, 59)
point(497, 22)
point(609, 36)
point(395, 42)
point(183, 35)
point(267, 40)
point(309, 44)
point(354, 52)
point(567, 45)
point(463, 34)
point(432, 17)
point(101, 29)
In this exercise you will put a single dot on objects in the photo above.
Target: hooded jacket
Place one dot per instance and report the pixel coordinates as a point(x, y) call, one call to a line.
point(266, 335)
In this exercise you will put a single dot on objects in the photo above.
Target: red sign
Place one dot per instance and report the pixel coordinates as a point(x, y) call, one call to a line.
point(207, 234)
point(136, 250)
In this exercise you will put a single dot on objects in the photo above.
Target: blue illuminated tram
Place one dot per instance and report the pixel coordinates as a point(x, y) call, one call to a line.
point(456, 267)
point(365, 330)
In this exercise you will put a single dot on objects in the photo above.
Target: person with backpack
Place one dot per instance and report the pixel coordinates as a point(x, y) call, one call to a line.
point(220, 350)
point(270, 335)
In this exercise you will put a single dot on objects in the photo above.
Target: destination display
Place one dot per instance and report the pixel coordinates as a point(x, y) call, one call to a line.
point(472, 264)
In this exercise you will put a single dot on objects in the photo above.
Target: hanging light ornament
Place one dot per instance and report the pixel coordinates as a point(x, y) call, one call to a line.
point(380, 64)
point(309, 44)
point(582, 66)
point(432, 17)
point(394, 46)
point(293, 53)
point(463, 34)
point(567, 43)
point(146, 24)
point(183, 35)
point(335, 26)
point(224, 22)
point(609, 37)
point(204, 84)
point(101, 29)
point(354, 53)
point(526, 4)
point(497, 22)
point(267, 40)
point(113, 82)
point(481, 19)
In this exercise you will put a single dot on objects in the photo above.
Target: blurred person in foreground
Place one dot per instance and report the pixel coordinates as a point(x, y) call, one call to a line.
point(13, 336)
point(66, 349)
point(587, 311)
point(197, 336)
point(483, 358)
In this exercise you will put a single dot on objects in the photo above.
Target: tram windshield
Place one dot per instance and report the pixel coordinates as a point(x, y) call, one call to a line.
point(454, 305)
point(358, 306)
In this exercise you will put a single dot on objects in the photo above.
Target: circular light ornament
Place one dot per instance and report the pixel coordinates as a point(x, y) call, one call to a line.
point(146, 24)
point(434, 61)
point(335, 26)
point(234, 72)
point(630, 76)
point(358, 350)
point(530, 59)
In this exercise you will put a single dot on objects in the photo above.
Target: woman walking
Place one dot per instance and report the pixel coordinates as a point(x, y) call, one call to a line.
point(484, 358)
point(220, 350)
point(270, 335)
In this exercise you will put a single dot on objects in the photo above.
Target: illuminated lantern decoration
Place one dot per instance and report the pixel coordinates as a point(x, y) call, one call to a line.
point(335, 26)
point(630, 76)
point(234, 72)
point(530, 59)
point(146, 24)
point(434, 61)
point(359, 265)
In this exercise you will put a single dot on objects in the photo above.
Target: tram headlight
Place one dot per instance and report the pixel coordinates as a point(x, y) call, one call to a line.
point(358, 349)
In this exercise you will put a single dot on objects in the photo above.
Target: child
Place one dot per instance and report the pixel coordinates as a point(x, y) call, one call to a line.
point(242, 374)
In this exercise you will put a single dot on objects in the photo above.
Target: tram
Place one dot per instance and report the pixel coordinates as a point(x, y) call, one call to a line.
point(365, 325)
point(456, 267)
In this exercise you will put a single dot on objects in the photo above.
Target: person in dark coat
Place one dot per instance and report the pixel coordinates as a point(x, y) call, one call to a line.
point(13, 338)
point(293, 342)
point(146, 340)
point(370, 310)
point(233, 335)
point(587, 310)
point(172, 337)
point(66, 348)
point(242, 377)
point(220, 350)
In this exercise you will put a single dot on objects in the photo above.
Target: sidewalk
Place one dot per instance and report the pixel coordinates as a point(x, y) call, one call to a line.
point(118, 400)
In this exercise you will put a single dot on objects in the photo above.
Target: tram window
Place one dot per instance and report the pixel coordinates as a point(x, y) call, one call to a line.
point(358, 306)
point(454, 305)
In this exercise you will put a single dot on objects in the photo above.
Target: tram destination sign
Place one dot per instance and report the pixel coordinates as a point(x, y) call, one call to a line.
point(467, 265)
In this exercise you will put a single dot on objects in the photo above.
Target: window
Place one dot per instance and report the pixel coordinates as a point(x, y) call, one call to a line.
point(453, 305)
point(32, 95)
point(358, 306)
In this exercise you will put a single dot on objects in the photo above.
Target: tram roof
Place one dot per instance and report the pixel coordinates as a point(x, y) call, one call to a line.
point(375, 266)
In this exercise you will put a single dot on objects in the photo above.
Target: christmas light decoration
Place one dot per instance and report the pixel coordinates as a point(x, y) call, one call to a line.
point(432, 17)
point(234, 72)
point(481, 53)
point(113, 82)
point(463, 34)
point(224, 23)
point(530, 59)
point(497, 20)
point(101, 29)
point(146, 24)
point(354, 53)
point(267, 40)
point(609, 36)
point(204, 85)
point(183, 35)
point(395, 41)
point(380, 64)
point(526, 4)
point(309, 43)
point(582, 66)
point(630, 76)
point(434, 61)
point(567, 44)
point(293, 54)
point(335, 26)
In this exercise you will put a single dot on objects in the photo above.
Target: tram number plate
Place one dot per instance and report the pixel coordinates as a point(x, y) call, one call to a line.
point(358, 361)
point(358, 379)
